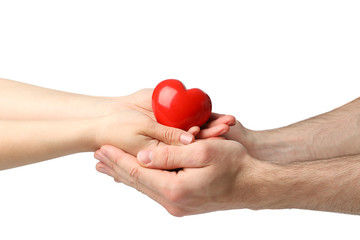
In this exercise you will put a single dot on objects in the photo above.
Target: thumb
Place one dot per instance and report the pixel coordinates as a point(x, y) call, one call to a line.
point(170, 157)
point(170, 135)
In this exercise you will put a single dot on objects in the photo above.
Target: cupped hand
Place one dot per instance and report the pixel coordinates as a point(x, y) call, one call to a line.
point(214, 175)
point(217, 125)
point(133, 127)
point(133, 131)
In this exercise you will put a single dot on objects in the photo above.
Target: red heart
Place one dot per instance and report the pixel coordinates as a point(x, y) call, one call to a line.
point(174, 106)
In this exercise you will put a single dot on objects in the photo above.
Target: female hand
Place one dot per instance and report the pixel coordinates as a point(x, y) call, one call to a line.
point(134, 126)
point(133, 131)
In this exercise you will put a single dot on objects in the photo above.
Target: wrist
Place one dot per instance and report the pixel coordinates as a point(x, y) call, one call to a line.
point(277, 145)
point(105, 130)
point(112, 105)
point(280, 145)
point(90, 130)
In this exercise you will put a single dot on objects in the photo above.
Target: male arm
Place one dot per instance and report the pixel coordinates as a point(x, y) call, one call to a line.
point(329, 135)
point(326, 185)
point(219, 175)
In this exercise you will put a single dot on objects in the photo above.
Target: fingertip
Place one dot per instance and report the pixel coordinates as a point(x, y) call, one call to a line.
point(100, 167)
point(144, 157)
point(219, 130)
point(231, 120)
point(194, 130)
point(214, 131)
point(97, 153)
point(187, 138)
point(99, 164)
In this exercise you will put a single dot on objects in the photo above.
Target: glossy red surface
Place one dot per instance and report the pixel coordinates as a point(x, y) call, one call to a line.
point(175, 106)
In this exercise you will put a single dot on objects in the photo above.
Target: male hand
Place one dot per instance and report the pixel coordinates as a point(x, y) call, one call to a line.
point(214, 175)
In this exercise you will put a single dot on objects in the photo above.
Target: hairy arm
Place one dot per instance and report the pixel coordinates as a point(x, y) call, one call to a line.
point(329, 135)
point(326, 185)
point(218, 175)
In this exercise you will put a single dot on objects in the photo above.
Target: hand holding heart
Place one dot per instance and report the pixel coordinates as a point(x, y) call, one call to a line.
point(134, 127)
point(172, 107)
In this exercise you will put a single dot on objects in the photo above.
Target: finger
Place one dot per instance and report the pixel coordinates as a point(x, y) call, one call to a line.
point(161, 186)
point(106, 161)
point(194, 130)
point(217, 119)
point(173, 157)
point(153, 194)
point(157, 196)
point(215, 116)
point(103, 168)
point(222, 119)
point(117, 170)
point(214, 131)
point(169, 135)
point(131, 173)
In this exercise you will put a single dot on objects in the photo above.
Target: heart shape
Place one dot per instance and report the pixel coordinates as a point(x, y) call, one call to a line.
point(175, 106)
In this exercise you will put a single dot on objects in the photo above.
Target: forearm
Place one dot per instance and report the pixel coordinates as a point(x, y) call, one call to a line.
point(325, 185)
point(26, 142)
point(329, 135)
point(20, 101)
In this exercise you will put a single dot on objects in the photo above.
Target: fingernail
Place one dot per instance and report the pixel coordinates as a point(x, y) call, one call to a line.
point(144, 157)
point(99, 156)
point(186, 138)
point(223, 131)
point(104, 152)
point(102, 170)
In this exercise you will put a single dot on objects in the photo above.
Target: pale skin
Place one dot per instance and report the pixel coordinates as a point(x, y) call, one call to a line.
point(313, 164)
point(38, 124)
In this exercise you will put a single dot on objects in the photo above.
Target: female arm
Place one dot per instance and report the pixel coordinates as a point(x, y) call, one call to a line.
point(38, 124)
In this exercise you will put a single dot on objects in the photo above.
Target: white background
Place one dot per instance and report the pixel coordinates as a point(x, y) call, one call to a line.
point(269, 63)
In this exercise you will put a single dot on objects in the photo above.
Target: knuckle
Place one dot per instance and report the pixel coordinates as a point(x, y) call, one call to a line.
point(175, 211)
point(176, 194)
point(204, 153)
point(169, 135)
point(168, 157)
point(134, 178)
point(117, 160)
point(134, 172)
point(117, 179)
point(177, 198)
